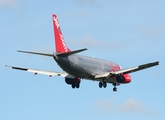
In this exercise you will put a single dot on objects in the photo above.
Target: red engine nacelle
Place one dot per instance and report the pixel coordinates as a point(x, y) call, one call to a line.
point(126, 78)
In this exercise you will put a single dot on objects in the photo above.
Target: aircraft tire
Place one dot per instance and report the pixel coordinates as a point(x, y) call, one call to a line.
point(100, 84)
point(114, 89)
point(104, 84)
point(77, 85)
point(73, 85)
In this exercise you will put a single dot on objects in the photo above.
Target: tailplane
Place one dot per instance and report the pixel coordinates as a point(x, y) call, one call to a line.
point(59, 40)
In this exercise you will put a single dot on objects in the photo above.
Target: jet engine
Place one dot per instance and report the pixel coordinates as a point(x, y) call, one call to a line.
point(74, 82)
point(126, 78)
point(69, 80)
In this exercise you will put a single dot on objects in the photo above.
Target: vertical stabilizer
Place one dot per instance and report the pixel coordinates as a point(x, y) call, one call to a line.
point(59, 40)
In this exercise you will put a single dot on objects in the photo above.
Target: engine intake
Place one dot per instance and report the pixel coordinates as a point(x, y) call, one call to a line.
point(72, 80)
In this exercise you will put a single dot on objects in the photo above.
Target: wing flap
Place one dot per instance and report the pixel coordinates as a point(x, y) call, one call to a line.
point(102, 75)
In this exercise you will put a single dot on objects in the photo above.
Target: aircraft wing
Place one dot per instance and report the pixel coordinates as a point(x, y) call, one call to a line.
point(45, 72)
point(127, 70)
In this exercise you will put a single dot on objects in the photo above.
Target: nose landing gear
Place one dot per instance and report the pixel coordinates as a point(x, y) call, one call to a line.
point(115, 88)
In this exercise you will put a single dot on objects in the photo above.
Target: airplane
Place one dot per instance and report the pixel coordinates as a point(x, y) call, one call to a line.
point(77, 67)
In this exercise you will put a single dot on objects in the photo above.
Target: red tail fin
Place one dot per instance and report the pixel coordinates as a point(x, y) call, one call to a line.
point(59, 40)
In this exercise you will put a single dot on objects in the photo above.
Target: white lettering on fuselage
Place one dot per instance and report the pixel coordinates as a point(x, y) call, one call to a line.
point(60, 34)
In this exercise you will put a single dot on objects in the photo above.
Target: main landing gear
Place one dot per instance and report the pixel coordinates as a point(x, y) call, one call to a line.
point(104, 84)
point(74, 82)
point(75, 85)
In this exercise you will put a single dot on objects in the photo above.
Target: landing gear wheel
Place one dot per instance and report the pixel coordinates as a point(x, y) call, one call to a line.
point(115, 89)
point(100, 84)
point(73, 85)
point(77, 85)
point(104, 84)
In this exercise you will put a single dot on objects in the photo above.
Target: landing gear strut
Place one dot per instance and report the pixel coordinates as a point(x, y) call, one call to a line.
point(115, 88)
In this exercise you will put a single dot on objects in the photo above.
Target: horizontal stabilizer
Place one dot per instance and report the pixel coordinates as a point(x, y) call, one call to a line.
point(70, 53)
point(51, 55)
point(44, 54)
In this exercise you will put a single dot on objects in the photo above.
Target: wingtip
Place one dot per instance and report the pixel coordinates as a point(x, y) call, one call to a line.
point(8, 66)
point(84, 49)
point(21, 51)
point(18, 50)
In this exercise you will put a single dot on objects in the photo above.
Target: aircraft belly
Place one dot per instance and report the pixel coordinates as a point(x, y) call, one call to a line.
point(108, 80)
point(111, 80)
point(78, 73)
